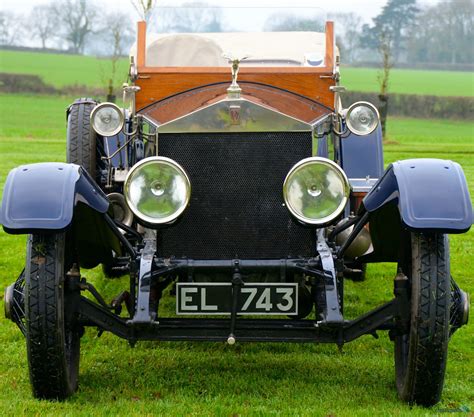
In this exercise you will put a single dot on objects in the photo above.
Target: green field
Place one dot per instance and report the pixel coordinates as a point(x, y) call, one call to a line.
point(212, 379)
point(63, 70)
point(404, 81)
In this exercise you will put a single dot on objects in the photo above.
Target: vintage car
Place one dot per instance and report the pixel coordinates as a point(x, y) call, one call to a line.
point(241, 187)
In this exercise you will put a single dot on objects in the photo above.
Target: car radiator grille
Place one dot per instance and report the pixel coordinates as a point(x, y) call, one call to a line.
point(236, 208)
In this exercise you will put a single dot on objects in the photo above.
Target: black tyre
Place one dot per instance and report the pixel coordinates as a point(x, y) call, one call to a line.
point(421, 353)
point(52, 343)
point(82, 144)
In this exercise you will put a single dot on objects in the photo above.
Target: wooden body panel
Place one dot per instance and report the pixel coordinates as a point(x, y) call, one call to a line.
point(157, 83)
point(155, 87)
point(282, 101)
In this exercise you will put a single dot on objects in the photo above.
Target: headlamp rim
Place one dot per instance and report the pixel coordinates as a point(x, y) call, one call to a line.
point(115, 107)
point(347, 189)
point(351, 108)
point(143, 217)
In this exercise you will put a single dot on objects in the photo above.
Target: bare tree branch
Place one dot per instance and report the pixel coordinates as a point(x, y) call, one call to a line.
point(191, 17)
point(383, 77)
point(42, 22)
point(118, 33)
point(144, 8)
point(11, 28)
point(348, 30)
point(78, 19)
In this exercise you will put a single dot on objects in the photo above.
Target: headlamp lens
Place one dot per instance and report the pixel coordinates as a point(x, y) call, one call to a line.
point(157, 190)
point(316, 191)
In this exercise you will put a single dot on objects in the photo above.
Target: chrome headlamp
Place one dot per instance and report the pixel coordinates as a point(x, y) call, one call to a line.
point(157, 190)
point(362, 118)
point(316, 191)
point(107, 119)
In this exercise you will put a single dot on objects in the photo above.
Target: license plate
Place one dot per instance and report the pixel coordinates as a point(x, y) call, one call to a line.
point(255, 298)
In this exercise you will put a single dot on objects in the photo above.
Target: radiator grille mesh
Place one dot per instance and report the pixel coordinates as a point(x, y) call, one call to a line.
point(236, 208)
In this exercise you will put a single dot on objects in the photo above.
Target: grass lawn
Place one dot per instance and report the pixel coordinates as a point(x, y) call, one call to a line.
point(201, 379)
point(61, 70)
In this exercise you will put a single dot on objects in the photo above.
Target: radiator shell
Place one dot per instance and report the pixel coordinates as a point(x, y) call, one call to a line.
point(237, 208)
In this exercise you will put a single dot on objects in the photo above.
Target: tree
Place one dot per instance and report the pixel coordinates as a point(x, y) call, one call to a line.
point(348, 29)
point(11, 28)
point(445, 33)
point(42, 22)
point(77, 19)
point(458, 28)
point(394, 23)
point(283, 22)
point(144, 8)
point(383, 77)
point(192, 17)
point(117, 32)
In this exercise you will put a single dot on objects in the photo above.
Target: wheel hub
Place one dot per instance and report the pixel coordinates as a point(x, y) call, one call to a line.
point(8, 301)
point(464, 310)
point(14, 305)
point(459, 314)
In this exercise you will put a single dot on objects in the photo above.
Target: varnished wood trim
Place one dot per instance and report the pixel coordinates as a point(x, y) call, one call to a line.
point(141, 45)
point(282, 101)
point(242, 70)
point(158, 86)
point(356, 200)
point(330, 46)
point(359, 194)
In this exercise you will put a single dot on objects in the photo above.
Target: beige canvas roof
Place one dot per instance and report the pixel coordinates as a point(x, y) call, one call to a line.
point(262, 48)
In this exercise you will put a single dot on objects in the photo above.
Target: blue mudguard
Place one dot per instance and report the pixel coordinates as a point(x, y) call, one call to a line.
point(421, 195)
point(431, 195)
point(44, 196)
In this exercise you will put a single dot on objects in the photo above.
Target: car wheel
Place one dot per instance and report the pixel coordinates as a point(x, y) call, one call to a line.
point(82, 144)
point(421, 351)
point(52, 342)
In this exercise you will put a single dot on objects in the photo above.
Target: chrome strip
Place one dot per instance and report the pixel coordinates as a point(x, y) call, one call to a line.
point(362, 185)
point(235, 115)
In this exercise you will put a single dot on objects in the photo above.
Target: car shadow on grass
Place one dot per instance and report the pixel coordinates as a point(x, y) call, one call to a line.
point(260, 372)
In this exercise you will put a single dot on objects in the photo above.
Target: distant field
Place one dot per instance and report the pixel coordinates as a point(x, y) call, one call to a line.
point(212, 379)
point(404, 81)
point(61, 70)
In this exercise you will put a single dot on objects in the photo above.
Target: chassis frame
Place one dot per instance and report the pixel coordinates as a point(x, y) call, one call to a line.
point(325, 278)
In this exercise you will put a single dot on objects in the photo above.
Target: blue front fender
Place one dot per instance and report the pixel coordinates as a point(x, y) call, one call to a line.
point(431, 195)
point(40, 197)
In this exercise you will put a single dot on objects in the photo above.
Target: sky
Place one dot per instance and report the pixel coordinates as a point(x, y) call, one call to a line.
point(365, 8)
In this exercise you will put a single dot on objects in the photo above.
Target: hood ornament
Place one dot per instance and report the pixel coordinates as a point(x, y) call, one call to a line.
point(234, 90)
